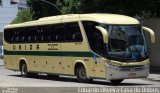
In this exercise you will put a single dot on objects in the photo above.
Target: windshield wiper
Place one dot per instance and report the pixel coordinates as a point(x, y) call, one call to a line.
point(130, 44)
point(135, 49)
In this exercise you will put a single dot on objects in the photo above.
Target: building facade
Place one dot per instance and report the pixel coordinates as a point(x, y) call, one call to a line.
point(22, 5)
point(8, 12)
point(13, 1)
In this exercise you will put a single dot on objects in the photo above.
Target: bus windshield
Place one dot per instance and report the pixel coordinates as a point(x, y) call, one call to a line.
point(126, 43)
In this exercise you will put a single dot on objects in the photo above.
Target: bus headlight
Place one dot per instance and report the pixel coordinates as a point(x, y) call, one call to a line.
point(128, 68)
point(114, 67)
point(146, 66)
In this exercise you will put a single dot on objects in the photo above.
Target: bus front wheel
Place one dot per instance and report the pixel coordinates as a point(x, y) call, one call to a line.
point(81, 74)
point(116, 81)
point(23, 69)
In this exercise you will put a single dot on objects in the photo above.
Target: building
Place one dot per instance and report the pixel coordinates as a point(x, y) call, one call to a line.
point(22, 5)
point(8, 12)
point(13, 1)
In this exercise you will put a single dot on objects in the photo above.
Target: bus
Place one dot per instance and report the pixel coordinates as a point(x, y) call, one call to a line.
point(89, 46)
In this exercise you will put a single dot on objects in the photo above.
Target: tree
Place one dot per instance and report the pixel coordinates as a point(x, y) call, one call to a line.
point(143, 8)
point(40, 8)
point(23, 16)
point(69, 6)
point(0, 2)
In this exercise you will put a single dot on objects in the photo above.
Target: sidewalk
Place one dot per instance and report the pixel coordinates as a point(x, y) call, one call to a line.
point(1, 62)
point(154, 74)
point(154, 77)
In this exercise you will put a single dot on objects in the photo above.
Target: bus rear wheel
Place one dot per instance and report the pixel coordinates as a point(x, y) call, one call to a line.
point(116, 81)
point(23, 69)
point(81, 74)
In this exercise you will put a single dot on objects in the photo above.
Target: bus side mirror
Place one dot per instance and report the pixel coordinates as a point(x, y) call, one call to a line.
point(151, 33)
point(104, 33)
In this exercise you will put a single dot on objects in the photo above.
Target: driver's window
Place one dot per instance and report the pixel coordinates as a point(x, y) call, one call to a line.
point(94, 36)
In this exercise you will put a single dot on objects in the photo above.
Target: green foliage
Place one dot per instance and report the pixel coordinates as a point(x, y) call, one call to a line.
point(0, 2)
point(42, 9)
point(23, 16)
point(143, 8)
point(69, 6)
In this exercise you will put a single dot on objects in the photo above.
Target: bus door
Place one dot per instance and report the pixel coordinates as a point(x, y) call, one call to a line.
point(98, 47)
point(95, 40)
point(99, 68)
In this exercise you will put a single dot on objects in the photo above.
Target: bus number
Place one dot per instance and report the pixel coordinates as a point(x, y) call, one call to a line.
point(52, 46)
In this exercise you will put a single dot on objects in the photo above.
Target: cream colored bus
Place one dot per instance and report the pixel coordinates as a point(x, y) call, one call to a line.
point(88, 46)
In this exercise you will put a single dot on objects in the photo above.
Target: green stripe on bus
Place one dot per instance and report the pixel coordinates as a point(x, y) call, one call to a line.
point(49, 53)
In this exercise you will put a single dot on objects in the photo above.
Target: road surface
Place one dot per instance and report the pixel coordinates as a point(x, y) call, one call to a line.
point(41, 83)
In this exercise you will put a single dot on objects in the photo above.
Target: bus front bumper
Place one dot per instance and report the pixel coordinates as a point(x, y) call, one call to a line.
point(114, 72)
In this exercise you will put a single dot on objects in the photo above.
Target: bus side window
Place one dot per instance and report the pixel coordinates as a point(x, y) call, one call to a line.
point(73, 33)
point(56, 33)
point(38, 34)
point(21, 35)
point(95, 37)
point(32, 32)
point(8, 35)
point(16, 36)
point(46, 36)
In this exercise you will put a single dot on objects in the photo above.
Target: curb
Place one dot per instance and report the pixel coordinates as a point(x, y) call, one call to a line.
point(154, 77)
point(1, 63)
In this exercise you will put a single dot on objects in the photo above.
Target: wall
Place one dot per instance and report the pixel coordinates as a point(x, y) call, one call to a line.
point(22, 5)
point(154, 24)
point(8, 13)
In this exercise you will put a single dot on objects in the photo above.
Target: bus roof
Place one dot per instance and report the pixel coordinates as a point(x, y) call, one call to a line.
point(97, 17)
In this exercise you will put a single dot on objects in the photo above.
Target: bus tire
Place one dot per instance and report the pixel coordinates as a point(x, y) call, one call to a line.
point(81, 74)
point(118, 81)
point(24, 70)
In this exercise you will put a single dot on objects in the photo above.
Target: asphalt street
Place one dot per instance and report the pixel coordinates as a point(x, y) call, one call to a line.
point(42, 84)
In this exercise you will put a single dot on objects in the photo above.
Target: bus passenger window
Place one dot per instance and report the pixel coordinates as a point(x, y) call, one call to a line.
point(17, 36)
point(32, 34)
point(9, 35)
point(73, 33)
point(45, 33)
point(21, 35)
point(56, 33)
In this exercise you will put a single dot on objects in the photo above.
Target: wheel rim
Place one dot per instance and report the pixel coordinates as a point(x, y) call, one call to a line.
point(82, 73)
